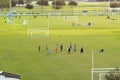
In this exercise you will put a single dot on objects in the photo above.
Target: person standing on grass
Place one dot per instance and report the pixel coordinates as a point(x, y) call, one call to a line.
point(69, 49)
point(46, 47)
point(81, 50)
point(48, 51)
point(61, 47)
point(39, 48)
point(89, 23)
point(70, 46)
point(75, 48)
point(56, 48)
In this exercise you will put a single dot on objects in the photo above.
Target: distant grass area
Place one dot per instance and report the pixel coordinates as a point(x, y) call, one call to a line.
point(105, 26)
point(19, 53)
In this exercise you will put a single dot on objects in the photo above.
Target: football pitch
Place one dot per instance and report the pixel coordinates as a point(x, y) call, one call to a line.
point(19, 50)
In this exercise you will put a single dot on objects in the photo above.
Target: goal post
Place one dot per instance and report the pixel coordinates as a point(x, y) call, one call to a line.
point(100, 73)
point(102, 76)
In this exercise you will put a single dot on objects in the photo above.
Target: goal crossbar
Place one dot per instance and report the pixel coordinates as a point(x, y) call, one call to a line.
point(102, 70)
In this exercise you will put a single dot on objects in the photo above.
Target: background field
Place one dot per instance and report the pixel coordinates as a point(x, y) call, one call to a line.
point(19, 52)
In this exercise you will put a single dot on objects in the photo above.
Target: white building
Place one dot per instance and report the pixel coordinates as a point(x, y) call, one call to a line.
point(8, 76)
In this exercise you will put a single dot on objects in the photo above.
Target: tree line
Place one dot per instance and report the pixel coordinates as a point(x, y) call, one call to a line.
point(56, 4)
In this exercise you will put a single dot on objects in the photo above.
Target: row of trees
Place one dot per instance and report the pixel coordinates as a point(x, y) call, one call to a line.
point(57, 4)
point(5, 3)
point(115, 5)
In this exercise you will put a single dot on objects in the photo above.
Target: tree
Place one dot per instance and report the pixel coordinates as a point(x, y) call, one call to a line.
point(72, 4)
point(118, 4)
point(4, 3)
point(20, 2)
point(113, 75)
point(42, 3)
point(57, 4)
point(29, 6)
point(114, 4)
point(13, 2)
point(28, 1)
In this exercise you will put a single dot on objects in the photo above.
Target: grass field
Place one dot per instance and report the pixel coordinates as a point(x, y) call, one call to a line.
point(19, 53)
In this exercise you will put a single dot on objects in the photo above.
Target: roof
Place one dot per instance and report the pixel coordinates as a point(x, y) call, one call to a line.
point(6, 74)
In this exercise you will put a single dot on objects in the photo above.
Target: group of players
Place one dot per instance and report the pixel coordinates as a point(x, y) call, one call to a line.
point(60, 48)
point(69, 49)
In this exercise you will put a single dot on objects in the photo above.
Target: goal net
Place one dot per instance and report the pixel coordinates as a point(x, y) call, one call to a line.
point(38, 32)
point(102, 76)
point(70, 18)
point(101, 73)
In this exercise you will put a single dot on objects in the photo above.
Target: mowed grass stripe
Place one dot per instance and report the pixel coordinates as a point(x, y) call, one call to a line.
point(84, 32)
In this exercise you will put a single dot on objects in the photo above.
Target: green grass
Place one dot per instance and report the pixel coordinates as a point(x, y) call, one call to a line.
point(19, 53)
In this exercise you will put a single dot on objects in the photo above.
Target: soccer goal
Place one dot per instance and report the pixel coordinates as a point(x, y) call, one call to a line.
point(70, 18)
point(38, 32)
point(100, 73)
